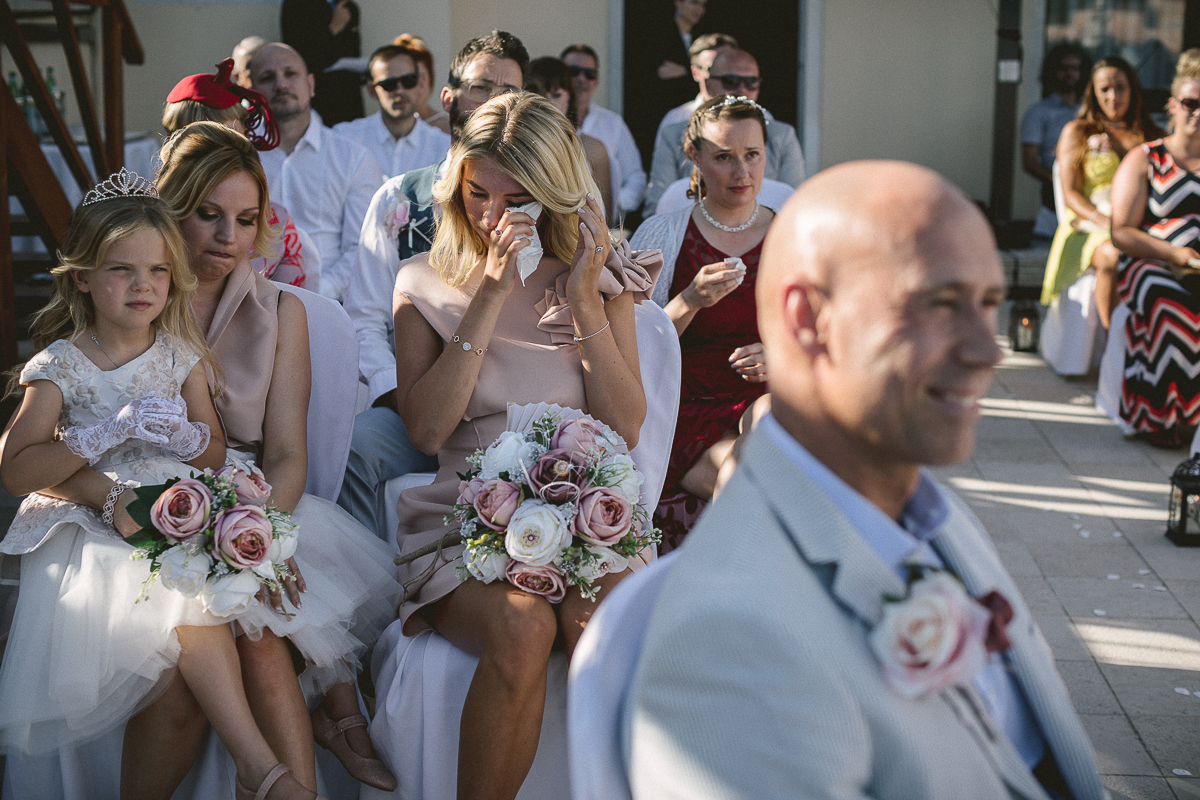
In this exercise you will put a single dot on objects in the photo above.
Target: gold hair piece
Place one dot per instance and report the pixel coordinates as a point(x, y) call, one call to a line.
point(120, 184)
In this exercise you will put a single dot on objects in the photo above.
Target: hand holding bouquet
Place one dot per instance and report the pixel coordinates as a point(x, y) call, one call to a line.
point(552, 503)
point(213, 536)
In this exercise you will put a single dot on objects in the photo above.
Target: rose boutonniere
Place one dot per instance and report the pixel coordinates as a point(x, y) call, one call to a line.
point(398, 218)
point(938, 636)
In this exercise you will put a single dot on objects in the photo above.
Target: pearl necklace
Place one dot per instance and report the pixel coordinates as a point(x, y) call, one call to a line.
point(727, 228)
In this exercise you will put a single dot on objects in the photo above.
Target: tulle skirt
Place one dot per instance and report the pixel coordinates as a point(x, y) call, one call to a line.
point(84, 654)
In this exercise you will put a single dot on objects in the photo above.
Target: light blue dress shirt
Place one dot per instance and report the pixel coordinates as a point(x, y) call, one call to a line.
point(908, 542)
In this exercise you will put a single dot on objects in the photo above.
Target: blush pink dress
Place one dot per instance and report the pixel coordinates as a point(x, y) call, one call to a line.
point(531, 358)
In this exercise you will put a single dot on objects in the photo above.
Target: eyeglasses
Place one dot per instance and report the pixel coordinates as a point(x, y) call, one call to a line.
point(480, 91)
point(1190, 103)
point(730, 83)
point(590, 74)
point(389, 84)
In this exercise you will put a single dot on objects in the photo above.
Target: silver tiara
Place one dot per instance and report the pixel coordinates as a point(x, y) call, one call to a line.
point(120, 184)
point(738, 100)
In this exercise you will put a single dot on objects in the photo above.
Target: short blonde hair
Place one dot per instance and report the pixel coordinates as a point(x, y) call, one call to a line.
point(197, 158)
point(1187, 69)
point(185, 112)
point(533, 143)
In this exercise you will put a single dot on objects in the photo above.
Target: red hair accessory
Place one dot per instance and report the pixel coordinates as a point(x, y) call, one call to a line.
point(220, 92)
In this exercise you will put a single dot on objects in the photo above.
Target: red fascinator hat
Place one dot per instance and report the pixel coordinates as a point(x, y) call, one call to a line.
point(220, 92)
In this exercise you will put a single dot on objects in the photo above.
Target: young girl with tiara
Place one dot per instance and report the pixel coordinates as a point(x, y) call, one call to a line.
point(119, 386)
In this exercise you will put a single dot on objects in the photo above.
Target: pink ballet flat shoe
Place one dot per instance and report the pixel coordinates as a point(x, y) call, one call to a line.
point(293, 792)
point(332, 736)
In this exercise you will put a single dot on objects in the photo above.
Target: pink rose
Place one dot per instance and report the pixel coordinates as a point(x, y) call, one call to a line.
point(557, 477)
point(250, 485)
point(604, 516)
point(242, 536)
point(182, 511)
point(495, 503)
point(579, 434)
point(933, 639)
point(467, 490)
point(397, 217)
point(545, 581)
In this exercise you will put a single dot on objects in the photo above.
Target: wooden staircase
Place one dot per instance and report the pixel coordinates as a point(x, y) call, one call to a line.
point(24, 171)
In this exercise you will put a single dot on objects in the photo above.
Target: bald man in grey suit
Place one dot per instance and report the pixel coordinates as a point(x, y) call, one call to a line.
point(877, 294)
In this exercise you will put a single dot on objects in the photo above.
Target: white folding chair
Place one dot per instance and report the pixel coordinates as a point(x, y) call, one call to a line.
point(333, 348)
point(1112, 369)
point(773, 195)
point(422, 681)
point(598, 682)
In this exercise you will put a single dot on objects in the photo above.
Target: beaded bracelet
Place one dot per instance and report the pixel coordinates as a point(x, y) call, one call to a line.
point(466, 346)
point(110, 503)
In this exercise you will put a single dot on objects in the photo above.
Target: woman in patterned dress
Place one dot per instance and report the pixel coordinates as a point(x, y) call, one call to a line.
point(1156, 224)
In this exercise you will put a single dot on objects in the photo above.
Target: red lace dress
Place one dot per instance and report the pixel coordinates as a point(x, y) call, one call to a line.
point(713, 396)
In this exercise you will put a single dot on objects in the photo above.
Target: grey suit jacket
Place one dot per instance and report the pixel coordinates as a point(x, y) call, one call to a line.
point(785, 161)
point(756, 680)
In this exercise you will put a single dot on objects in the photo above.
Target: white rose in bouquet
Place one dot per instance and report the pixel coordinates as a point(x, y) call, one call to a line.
point(486, 565)
point(609, 561)
point(507, 454)
point(231, 593)
point(283, 545)
point(625, 477)
point(537, 533)
point(183, 571)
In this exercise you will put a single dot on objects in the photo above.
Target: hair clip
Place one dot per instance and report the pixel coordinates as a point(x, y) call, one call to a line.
point(120, 184)
point(732, 100)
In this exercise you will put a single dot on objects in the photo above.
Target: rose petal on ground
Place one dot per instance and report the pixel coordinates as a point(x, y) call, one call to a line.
point(1099, 612)
point(1112, 577)
point(1182, 691)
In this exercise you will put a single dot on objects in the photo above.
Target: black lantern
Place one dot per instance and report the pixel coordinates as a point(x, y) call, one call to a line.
point(1183, 512)
point(1024, 322)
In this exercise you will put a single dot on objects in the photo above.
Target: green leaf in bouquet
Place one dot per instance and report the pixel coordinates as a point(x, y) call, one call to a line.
point(146, 539)
point(139, 509)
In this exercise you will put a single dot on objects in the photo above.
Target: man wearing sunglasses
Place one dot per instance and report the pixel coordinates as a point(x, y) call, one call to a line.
point(397, 137)
point(733, 72)
point(399, 225)
point(625, 162)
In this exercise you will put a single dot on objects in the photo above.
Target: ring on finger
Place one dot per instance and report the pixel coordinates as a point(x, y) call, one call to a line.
point(600, 249)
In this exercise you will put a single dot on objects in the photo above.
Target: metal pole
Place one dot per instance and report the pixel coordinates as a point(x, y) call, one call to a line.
point(1004, 115)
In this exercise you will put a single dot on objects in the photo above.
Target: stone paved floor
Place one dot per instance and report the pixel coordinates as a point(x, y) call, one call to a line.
point(1078, 514)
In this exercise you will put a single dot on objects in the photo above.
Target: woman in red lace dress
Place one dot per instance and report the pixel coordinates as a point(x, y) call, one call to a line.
point(711, 252)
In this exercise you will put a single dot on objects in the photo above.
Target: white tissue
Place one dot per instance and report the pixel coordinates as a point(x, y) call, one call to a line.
point(528, 259)
point(733, 262)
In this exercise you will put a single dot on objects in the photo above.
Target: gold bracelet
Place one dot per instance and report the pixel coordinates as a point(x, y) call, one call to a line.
point(467, 345)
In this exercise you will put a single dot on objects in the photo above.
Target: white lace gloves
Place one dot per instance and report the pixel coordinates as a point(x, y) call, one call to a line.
point(152, 419)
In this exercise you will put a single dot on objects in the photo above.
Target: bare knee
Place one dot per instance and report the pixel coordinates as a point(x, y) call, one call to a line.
point(264, 657)
point(1105, 258)
point(520, 638)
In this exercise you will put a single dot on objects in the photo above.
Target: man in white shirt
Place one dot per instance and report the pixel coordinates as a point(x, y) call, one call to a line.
point(628, 176)
point(733, 72)
point(396, 136)
point(703, 51)
point(325, 182)
point(399, 225)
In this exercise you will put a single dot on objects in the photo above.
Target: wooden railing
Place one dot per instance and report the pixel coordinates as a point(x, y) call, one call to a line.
point(24, 170)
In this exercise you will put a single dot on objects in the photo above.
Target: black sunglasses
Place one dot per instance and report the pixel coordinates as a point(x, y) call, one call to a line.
point(1190, 103)
point(407, 81)
point(730, 83)
point(590, 74)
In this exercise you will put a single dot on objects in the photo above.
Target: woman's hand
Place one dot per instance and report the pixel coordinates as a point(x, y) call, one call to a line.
point(749, 362)
point(1184, 260)
point(711, 283)
point(590, 253)
point(293, 585)
point(512, 235)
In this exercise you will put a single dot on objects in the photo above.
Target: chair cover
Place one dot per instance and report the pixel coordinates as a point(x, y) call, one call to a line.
point(599, 679)
point(1072, 338)
point(333, 347)
point(421, 682)
point(1112, 369)
point(773, 195)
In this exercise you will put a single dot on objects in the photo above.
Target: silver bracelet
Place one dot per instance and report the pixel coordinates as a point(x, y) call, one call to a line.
point(466, 346)
point(110, 503)
point(590, 335)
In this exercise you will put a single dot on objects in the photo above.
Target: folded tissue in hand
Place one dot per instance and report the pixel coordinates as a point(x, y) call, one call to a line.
point(527, 259)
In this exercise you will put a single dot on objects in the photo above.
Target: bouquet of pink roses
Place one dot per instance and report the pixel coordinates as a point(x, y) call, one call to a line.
point(552, 503)
point(213, 536)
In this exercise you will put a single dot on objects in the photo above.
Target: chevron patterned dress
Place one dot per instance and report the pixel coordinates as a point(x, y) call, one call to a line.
point(1162, 362)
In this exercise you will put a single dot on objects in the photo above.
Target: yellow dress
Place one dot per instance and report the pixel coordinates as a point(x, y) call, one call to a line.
point(1071, 251)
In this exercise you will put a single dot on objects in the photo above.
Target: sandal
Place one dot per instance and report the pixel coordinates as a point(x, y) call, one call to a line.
point(240, 791)
point(332, 736)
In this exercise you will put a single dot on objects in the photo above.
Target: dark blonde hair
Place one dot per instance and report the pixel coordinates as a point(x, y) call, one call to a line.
point(530, 141)
point(185, 112)
point(197, 158)
point(1187, 68)
point(93, 231)
point(721, 107)
point(1092, 119)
